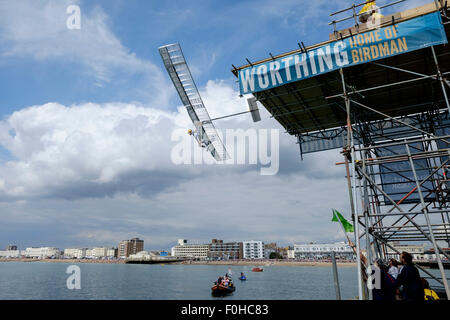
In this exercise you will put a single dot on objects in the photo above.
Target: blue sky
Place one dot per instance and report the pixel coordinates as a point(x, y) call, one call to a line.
point(213, 35)
point(92, 111)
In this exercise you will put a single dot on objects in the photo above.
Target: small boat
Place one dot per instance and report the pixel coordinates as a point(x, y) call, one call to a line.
point(219, 290)
point(242, 278)
point(257, 269)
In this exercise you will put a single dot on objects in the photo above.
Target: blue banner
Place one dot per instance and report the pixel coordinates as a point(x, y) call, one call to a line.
point(414, 34)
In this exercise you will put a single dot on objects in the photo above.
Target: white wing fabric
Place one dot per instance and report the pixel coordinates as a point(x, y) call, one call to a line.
point(178, 70)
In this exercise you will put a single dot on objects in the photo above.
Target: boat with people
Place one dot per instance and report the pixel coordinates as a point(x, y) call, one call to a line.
point(257, 269)
point(223, 286)
point(242, 277)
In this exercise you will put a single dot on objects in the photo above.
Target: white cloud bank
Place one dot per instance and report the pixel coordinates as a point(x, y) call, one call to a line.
point(57, 147)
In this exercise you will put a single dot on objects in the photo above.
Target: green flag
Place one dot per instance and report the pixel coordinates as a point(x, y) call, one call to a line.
point(348, 227)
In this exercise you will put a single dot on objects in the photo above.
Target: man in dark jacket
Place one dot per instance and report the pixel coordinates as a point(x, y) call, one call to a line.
point(409, 278)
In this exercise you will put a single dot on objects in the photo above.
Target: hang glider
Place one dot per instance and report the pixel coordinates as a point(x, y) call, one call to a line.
point(205, 134)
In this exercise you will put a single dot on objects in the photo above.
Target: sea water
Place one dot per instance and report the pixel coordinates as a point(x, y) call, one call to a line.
point(47, 280)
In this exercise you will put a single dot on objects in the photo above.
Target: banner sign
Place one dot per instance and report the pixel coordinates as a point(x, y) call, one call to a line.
point(410, 35)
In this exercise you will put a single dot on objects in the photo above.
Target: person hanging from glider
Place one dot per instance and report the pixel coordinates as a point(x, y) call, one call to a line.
point(197, 134)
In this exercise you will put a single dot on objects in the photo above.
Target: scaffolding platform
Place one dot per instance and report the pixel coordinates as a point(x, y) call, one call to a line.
point(379, 92)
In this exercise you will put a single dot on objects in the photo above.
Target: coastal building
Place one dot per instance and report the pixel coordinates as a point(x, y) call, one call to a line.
point(253, 249)
point(99, 252)
point(103, 252)
point(77, 253)
point(10, 253)
point(269, 248)
point(128, 247)
point(11, 248)
point(283, 251)
point(322, 250)
point(430, 255)
point(111, 253)
point(41, 252)
point(416, 250)
point(219, 250)
point(89, 254)
point(291, 254)
point(185, 250)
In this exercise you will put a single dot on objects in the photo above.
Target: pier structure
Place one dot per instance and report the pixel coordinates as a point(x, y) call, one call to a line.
point(379, 92)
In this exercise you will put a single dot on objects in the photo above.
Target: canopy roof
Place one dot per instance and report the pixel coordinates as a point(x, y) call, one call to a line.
point(399, 85)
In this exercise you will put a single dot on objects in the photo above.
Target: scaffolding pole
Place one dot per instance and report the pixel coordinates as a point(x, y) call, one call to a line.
point(350, 148)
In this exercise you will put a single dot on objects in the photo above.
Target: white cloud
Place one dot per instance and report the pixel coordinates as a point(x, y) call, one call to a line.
point(56, 145)
point(117, 147)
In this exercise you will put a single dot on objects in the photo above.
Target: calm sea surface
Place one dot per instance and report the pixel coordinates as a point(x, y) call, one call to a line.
point(40, 280)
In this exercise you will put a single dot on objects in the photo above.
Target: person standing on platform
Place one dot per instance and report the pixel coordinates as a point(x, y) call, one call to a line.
point(409, 279)
point(393, 268)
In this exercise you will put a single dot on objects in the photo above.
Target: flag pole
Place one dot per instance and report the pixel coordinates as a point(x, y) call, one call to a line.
point(363, 261)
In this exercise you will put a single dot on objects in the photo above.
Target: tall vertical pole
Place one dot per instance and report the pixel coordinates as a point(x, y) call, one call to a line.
point(350, 145)
point(430, 230)
point(366, 216)
point(365, 207)
point(335, 275)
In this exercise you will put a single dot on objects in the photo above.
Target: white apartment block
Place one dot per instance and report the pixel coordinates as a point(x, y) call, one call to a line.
point(183, 249)
point(41, 252)
point(111, 253)
point(322, 250)
point(78, 253)
point(94, 253)
point(10, 254)
point(99, 252)
point(102, 252)
point(253, 249)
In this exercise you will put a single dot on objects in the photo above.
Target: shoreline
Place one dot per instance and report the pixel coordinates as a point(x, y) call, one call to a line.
point(261, 263)
point(269, 263)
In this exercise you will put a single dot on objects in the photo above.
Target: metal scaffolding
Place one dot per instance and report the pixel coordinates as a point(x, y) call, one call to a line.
point(399, 178)
point(391, 118)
